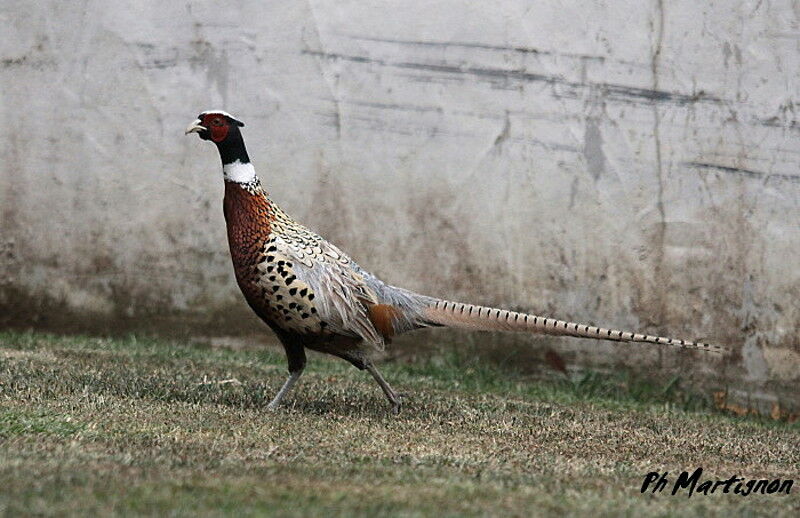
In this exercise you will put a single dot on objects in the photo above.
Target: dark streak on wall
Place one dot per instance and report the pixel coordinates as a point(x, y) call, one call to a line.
point(613, 92)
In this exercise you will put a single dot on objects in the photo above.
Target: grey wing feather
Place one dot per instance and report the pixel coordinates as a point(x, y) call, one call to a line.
point(411, 305)
point(340, 292)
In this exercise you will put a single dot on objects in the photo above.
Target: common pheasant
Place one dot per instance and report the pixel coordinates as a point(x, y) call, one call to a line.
point(314, 296)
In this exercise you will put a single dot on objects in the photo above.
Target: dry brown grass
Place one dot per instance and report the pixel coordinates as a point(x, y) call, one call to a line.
point(142, 427)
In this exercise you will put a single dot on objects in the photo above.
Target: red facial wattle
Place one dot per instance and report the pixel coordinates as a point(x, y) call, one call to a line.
point(217, 126)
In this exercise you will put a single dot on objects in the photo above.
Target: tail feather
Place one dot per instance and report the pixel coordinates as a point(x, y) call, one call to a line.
point(469, 316)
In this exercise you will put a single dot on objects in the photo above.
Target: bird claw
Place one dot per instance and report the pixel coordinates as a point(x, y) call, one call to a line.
point(397, 402)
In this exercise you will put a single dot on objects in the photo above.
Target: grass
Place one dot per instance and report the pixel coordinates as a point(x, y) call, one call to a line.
point(140, 426)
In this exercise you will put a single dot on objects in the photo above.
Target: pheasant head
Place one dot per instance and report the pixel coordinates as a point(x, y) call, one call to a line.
point(222, 129)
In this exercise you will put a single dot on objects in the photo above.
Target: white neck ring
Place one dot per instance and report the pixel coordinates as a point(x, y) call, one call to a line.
point(239, 172)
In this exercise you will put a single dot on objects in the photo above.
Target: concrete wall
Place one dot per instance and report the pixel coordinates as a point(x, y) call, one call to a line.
point(627, 163)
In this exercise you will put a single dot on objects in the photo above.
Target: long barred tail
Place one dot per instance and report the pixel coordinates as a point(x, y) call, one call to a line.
point(480, 318)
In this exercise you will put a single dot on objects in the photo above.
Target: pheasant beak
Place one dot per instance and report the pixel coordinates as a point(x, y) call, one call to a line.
point(195, 127)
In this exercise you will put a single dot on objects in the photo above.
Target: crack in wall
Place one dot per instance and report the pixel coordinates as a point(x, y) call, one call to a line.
point(661, 229)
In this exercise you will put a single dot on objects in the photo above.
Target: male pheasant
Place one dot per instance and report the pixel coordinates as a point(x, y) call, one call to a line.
point(314, 296)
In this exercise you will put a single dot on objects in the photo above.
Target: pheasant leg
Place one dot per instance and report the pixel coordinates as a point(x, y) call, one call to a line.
point(285, 389)
point(391, 395)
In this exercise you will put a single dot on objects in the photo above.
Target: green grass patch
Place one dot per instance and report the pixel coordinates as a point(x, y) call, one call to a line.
point(14, 423)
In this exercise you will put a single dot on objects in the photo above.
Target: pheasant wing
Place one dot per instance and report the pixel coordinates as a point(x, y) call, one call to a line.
point(336, 287)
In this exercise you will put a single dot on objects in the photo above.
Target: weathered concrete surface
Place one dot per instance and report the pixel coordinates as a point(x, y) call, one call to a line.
point(627, 163)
